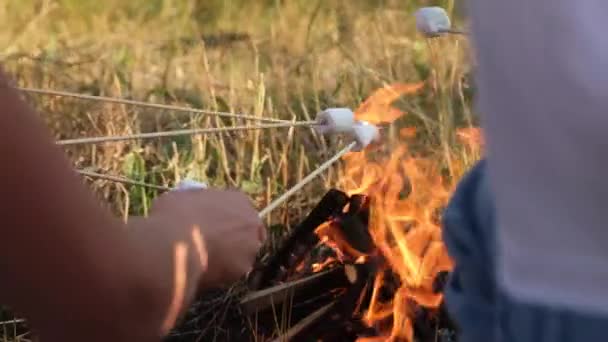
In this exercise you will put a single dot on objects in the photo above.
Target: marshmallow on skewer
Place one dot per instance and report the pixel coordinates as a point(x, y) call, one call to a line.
point(432, 21)
point(188, 184)
point(335, 120)
point(364, 134)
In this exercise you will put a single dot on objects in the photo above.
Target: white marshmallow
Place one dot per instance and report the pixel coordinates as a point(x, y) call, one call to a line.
point(335, 120)
point(364, 134)
point(432, 21)
point(188, 184)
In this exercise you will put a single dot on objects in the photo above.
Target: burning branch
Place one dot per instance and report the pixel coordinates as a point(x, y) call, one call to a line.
point(300, 241)
point(340, 276)
point(338, 313)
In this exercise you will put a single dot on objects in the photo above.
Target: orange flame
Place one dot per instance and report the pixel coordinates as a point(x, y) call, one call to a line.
point(406, 195)
point(377, 108)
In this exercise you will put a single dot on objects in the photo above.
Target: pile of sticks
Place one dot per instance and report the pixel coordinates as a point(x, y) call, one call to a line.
point(284, 292)
point(286, 298)
point(289, 301)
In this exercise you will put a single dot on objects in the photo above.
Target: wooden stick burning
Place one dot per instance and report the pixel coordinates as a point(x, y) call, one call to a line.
point(337, 277)
point(302, 235)
point(340, 309)
point(356, 232)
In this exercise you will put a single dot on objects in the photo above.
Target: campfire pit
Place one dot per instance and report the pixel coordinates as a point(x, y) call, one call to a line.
point(325, 296)
point(367, 264)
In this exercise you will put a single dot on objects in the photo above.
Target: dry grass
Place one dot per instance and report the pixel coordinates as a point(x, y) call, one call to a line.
point(288, 60)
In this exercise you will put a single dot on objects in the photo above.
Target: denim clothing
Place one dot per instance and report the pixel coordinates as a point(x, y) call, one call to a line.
point(475, 302)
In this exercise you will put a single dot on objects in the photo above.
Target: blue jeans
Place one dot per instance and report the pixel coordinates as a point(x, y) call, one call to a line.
point(482, 312)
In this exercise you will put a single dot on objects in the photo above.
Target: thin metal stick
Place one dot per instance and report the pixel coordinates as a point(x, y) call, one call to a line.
point(277, 202)
point(192, 131)
point(122, 180)
point(272, 206)
point(455, 31)
point(13, 321)
point(144, 104)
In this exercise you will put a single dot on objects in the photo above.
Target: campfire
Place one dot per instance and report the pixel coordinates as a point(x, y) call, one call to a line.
point(368, 263)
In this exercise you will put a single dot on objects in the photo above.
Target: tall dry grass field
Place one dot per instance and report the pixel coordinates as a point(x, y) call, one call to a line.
point(270, 58)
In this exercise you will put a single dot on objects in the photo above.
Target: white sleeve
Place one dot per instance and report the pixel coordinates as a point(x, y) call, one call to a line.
point(543, 96)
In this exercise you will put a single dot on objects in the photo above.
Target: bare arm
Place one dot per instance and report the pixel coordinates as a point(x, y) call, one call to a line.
point(63, 257)
point(72, 268)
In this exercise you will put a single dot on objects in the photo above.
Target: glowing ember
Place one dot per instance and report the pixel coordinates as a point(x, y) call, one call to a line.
point(406, 195)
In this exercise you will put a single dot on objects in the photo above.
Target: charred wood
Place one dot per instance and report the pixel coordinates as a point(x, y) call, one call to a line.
point(356, 233)
point(337, 277)
point(428, 322)
point(355, 224)
point(347, 306)
point(440, 281)
point(349, 331)
point(314, 312)
point(359, 205)
point(302, 299)
point(301, 240)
